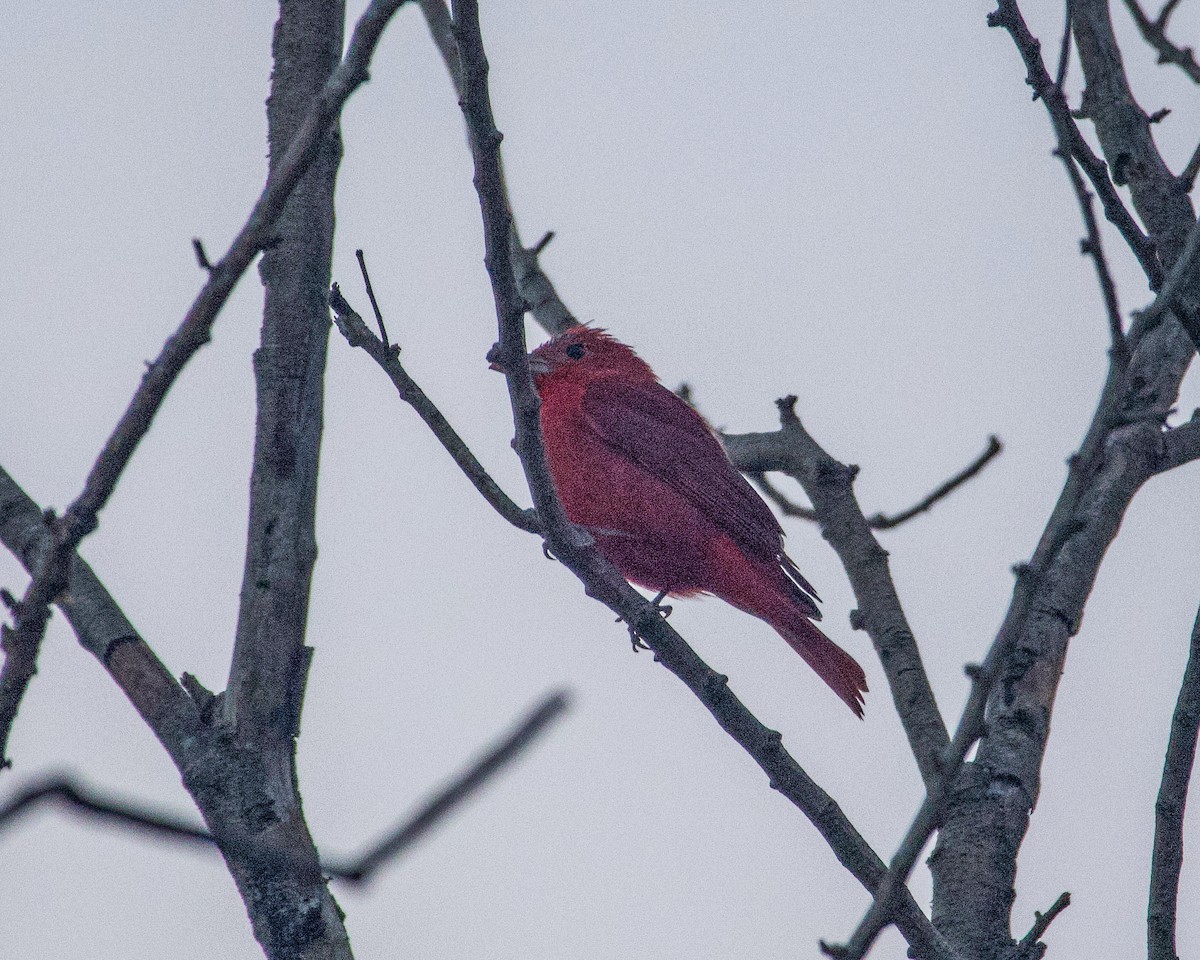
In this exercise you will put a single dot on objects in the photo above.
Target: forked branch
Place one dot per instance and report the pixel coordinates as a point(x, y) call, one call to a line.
point(1154, 32)
point(358, 334)
point(50, 576)
point(886, 521)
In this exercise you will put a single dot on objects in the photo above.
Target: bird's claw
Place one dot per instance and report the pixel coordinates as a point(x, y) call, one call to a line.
point(638, 643)
point(662, 609)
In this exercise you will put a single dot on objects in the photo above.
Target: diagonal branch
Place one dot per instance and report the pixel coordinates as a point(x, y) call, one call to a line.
point(50, 575)
point(357, 334)
point(463, 786)
point(357, 870)
point(1093, 247)
point(1071, 141)
point(883, 521)
point(1168, 810)
point(971, 728)
point(574, 548)
point(103, 629)
point(1154, 32)
point(540, 296)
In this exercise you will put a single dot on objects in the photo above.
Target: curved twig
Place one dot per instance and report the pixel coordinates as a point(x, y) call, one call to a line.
point(356, 870)
point(884, 521)
point(357, 334)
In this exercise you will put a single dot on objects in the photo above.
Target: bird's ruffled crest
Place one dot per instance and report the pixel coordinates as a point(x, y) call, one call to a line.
point(601, 354)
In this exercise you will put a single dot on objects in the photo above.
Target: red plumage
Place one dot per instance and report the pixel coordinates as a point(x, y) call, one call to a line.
point(645, 475)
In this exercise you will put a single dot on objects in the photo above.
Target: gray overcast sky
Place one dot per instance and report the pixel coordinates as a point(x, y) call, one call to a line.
point(855, 205)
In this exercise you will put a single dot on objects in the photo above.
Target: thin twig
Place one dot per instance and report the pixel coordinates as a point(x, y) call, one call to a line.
point(122, 813)
point(1154, 32)
point(1092, 246)
point(448, 797)
point(1071, 141)
point(1187, 179)
point(1029, 947)
point(882, 521)
point(1169, 809)
point(201, 255)
point(1064, 51)
point(193, 332)
point(362, 266)
point(357, 334)
point(356, 870)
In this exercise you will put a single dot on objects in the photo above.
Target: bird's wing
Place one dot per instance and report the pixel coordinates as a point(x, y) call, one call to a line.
point(652, 427)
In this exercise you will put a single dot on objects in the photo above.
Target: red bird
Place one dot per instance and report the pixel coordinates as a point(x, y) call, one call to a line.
point(645, 475)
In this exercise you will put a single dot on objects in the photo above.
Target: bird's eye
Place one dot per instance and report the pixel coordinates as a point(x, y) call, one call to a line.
point(575, 351)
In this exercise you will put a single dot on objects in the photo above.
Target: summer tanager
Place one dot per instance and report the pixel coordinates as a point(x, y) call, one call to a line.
point(645, 475)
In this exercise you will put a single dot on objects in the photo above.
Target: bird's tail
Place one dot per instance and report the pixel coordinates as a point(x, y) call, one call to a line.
point(832, 664)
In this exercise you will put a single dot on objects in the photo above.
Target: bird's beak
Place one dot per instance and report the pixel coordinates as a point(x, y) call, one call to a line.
point(537, 366)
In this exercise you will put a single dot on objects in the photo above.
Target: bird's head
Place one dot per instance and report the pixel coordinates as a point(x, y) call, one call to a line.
point(582, 354)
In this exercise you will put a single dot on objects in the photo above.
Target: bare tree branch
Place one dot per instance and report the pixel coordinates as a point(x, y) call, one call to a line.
point(538, 293)
point(933, 809)
point(456, 791)
point(358, 335)
point(1030, 946)
point(884, 521)
point(829, 486)
point(1154, 32)
point(1093, 247)
point(1168, 810)
point(1125, 133)
point(1071, 141)
point(973, 863)
point(357, 870)
point(102, 628)
point(575, 549)
point(50, 576)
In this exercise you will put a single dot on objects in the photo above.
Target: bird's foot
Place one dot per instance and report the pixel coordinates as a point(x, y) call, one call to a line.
point(664, 611)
